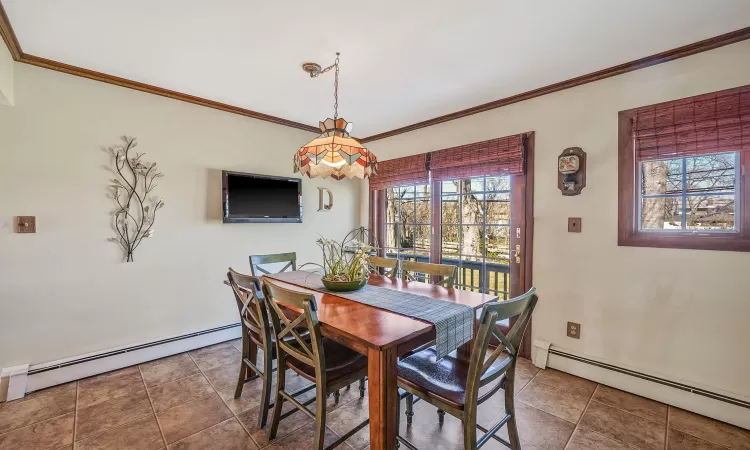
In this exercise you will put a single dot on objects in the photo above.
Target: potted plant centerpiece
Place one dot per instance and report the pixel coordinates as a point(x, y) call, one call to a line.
point(345, 266)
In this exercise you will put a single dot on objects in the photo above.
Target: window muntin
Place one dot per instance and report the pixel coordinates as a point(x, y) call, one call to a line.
point(475, 224)
point(696, 194)
point(408, 222)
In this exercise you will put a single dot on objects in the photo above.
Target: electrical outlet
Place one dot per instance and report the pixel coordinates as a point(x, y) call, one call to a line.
point(574, 224)
point(574, 330)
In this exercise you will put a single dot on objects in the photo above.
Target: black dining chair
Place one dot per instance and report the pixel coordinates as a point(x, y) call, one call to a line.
point(452, 384)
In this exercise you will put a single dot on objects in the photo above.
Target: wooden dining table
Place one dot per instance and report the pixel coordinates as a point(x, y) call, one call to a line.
point(383, 336)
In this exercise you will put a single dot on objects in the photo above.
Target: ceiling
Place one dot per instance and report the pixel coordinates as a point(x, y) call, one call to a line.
point(401, 61)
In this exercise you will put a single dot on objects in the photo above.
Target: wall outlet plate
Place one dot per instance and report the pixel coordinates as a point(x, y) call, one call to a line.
point(574, 224)
point(26, 224)
point(574, 330)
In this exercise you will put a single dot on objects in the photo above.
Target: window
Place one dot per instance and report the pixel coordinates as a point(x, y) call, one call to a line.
point(475, 236)
point(474, 229)
point(408, 222)
point(691, 194)
point(683, 173)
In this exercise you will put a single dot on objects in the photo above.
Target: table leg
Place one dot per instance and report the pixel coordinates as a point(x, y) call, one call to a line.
point(383, 391)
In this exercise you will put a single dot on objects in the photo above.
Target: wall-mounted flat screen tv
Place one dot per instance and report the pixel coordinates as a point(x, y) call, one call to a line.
point(249, 197)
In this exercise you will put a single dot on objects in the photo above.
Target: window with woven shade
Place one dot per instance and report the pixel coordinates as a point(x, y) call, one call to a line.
point(682, 173)
point(409, 170)
point(502, 156)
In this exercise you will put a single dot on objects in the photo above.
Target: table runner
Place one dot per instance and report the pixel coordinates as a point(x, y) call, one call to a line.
point(454, 323)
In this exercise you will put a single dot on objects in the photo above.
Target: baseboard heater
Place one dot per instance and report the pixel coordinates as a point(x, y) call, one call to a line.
point(44, 375)
point(663, 381)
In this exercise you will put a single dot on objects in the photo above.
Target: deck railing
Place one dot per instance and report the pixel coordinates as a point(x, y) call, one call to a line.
point(487, 277)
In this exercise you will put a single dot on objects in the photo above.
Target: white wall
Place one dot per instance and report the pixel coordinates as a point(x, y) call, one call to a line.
point(6, 75)
point(65, 291)
point(682, 314)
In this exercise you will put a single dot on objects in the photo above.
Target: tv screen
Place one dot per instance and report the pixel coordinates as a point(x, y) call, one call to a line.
point(261, 198)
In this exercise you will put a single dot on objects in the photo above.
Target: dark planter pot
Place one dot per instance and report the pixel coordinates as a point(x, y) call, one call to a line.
point(344, 286)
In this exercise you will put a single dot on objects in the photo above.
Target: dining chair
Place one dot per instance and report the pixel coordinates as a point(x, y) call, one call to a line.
point(256, 333)
point(389, 265)
point(257, 260)
point(446, 271)
point(329, 365)
point(453, 384)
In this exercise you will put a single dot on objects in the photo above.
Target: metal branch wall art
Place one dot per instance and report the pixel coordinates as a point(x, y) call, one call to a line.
point(135, 213)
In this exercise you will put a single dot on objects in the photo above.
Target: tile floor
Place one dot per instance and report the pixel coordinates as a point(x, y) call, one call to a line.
point(186, 402)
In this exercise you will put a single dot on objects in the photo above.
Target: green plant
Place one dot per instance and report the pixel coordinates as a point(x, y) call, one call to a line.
point(344, 261)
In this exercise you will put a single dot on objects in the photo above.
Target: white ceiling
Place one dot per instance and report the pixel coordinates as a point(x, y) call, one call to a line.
point(401, 61)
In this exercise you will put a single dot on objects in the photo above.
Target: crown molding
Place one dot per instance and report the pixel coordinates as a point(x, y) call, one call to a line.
point(19, 56)
point(659, 58)
point(6, 30)
point(103, 77)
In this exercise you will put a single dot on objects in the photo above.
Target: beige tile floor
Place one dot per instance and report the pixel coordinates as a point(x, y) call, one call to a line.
point(186, 402)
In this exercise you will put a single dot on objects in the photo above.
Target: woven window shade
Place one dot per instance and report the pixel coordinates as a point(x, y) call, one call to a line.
point(400, 171)
point(503, 156)
point(701, 125)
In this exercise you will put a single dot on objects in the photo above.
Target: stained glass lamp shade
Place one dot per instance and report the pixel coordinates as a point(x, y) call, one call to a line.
point(336, 154)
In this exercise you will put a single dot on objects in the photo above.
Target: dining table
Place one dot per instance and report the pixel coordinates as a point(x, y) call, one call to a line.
point(383, 336)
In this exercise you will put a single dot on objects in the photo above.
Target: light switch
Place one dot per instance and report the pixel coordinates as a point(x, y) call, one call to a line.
point(574, 224)
point(26, 224)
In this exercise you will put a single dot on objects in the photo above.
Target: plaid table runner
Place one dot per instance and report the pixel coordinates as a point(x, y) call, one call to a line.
point(454, 323)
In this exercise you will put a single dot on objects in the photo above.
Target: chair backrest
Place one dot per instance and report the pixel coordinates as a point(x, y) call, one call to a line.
point(448, 272)
point(509, 345)
point(389, 264)
point(308, 351)
point(253, 314)
point(257, 260)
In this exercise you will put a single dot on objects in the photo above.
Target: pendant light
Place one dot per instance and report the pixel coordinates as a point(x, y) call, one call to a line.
point(334, 153)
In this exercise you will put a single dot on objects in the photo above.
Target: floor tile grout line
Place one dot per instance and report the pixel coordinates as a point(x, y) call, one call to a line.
point(607, 437)
point(234, 416)
point(214, 425)
point(666, 431)
point(99, 433)
point(153, 410)
point(230, 409)
point(578, 422)
point(75, 415)
point(627, 412)
point(37, 421)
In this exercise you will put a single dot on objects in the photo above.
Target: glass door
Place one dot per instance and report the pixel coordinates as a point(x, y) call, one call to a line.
point(475, 232)
point(408, 223)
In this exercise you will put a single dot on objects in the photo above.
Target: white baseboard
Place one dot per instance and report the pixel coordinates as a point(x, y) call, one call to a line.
point(41, 376)
point(681, 398)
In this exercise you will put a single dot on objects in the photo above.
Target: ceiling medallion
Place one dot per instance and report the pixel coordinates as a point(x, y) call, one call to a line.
point(334, 153)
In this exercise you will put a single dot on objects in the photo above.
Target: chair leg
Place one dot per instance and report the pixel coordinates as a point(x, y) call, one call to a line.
point(441, 417)
point(409, 409)
point(244, 370)
point(337, 397)
point(320, 417)
point(470, 432)
point(279, 401)
point(362, 388)
point(398, 421)
point(510, 409)
point(265, 398)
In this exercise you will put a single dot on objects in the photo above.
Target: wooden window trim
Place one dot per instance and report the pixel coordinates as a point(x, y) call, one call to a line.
point(628, 234)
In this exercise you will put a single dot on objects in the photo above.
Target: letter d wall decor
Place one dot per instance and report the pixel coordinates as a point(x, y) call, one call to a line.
point(322, 204)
